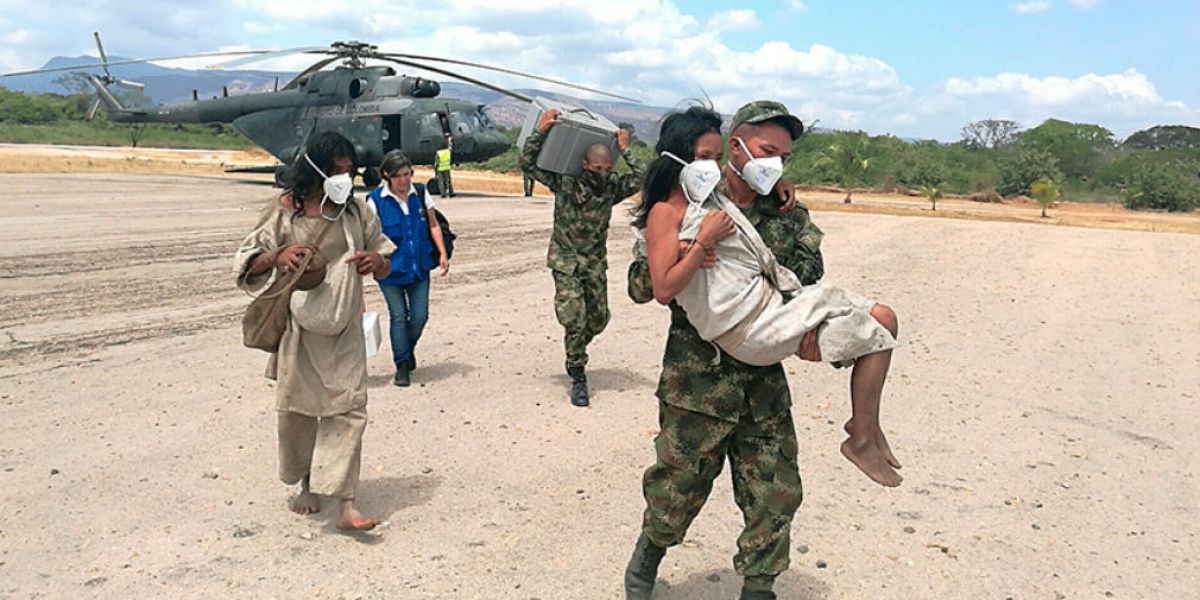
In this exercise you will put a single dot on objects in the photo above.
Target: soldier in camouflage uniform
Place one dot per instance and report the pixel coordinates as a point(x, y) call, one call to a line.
point(710, 410)
point(578, 244)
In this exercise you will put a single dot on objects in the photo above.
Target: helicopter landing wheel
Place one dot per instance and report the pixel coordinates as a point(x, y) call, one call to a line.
point(371, 177)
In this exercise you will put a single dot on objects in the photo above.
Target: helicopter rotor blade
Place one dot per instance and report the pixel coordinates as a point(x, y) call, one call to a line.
point(103, 55)
point(237, 62)
point(432, 69)
point(135, 62)
point(317, 66)
point(91, 113)
point(141, 87)
point(510, 72)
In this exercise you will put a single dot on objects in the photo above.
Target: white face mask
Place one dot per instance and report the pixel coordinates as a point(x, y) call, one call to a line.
point(337, 188)
point(698, 178)
point(761, 174)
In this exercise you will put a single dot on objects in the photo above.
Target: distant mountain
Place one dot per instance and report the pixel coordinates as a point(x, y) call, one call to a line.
point(163, 85)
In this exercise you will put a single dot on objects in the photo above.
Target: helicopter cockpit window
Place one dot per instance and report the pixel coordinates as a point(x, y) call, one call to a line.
point(430, 126)
point(357, 87)
point(464, 123)
point(486, 120)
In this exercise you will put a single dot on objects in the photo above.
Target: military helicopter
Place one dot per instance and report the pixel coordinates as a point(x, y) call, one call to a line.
point(376, 109)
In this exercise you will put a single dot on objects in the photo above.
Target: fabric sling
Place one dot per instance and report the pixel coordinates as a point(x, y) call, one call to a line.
point(267, 316)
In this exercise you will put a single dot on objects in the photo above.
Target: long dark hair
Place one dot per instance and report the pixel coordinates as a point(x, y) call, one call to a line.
point(678, 135)
point(303, 180)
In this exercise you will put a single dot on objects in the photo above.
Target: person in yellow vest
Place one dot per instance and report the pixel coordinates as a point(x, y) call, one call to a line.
point(442, 168)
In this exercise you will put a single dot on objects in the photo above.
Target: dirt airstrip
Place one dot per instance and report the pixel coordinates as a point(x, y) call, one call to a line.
point(1043, 404)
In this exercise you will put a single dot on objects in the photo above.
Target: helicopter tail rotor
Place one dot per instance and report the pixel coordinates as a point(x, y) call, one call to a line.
point(108, 78)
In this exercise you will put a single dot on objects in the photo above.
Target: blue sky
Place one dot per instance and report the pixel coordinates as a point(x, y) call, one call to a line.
point(921, 68)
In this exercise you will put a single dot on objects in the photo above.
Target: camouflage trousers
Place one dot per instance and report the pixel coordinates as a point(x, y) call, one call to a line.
point(581, 305)
point(691, 450)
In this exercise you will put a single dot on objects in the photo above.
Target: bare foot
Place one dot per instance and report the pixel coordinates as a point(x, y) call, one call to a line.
point(868, 458)
point(352, 520)
point(886, 450)
point(305, 503)
point(880, 441)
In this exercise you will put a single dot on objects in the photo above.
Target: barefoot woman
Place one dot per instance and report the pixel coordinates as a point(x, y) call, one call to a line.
point(320, 369)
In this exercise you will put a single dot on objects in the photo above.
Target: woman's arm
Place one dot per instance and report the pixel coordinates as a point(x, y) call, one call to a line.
point(670, 270)
point(435, 232)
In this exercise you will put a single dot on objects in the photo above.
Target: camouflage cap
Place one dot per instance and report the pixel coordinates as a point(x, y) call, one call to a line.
point(767, 110)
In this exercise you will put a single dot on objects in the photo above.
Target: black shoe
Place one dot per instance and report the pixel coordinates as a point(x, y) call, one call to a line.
point(579, 388)
point(412, 361)
point(756, 595)
point(402, 376)
point(643, 569)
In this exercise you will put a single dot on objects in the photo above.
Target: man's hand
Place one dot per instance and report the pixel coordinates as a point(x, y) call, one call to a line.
point(290, 257)
point(622, 140)
point(444, 264)
point(369, 262)
point(548, 119)
point(787, 195)
point(809, 348)
point(710, 256)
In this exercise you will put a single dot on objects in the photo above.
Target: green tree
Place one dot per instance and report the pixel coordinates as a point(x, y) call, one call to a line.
point(1045, 191)
point(1019, 168)
point(1079, 147)
point(1162, 186)
point(848, 159)
point(1164, 137)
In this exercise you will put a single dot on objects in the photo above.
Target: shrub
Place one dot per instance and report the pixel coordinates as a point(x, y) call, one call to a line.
point(1023, 166)
point(1161, 187)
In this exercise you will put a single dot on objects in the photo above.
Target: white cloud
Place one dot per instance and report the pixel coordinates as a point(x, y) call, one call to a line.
point(648, 49)
point(796, 5)
point(1121, 101)
point(1030, 7)
point(734, 20)
point(1084, 4)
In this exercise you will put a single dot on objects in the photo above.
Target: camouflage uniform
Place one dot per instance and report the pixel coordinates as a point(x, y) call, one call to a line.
point(578, 246)
point(708, 412)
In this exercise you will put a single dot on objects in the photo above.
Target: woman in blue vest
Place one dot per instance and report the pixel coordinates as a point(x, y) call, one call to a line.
point(407, 217)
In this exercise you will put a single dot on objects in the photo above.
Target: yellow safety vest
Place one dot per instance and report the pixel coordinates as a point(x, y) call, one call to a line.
point(443, 159)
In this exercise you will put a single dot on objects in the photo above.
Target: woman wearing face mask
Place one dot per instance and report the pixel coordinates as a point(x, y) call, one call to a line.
point(408, 219)
point(320, 367)
point(750, 306)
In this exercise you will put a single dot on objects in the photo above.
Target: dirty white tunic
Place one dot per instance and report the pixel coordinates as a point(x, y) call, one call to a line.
point(321, 367)
point(756, 310)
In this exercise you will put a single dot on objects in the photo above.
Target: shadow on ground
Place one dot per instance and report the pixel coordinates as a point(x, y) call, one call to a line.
point(610, 380)
point(381, 498)
point(430, 373)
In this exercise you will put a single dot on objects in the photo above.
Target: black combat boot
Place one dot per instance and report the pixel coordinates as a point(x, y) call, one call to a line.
point(579, 389)
point(643, 569)
point(756, 595)
point(758, 588)
point(402, 376)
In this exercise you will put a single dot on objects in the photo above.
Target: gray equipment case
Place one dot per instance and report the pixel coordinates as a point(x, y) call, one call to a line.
point(567, 143)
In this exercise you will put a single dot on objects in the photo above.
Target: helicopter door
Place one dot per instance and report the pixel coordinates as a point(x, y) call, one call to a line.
point(391, 133)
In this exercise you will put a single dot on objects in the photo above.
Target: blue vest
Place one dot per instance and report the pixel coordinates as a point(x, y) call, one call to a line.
point(413, 258)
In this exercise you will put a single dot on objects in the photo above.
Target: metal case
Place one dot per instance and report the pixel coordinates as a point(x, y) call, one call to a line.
point(567, 143)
